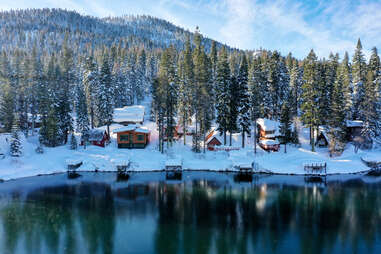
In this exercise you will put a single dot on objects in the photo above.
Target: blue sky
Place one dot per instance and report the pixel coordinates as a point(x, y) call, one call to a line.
point(288, 25)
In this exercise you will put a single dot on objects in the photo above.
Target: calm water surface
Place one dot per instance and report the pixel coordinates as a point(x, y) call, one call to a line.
point(203, 213)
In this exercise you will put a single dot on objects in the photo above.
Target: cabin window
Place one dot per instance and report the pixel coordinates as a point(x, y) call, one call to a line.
point(140, 137)
point(123, 138)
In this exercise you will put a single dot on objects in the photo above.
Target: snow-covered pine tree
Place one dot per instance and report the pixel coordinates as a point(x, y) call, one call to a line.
point(37, 80)
point(68, 80)
point(81, 109)
point(244, 100)
point(256, 82)
point(15, 145)
point(91, 83)
point(368, 112)
point(375, 67)
point(222, 85)
point(345, 71)
point(309, 96)
point(186, 82)
point(105, 94)
point(295, 87)
point(336, 120)
point(359, 74)
point(285, 124)
point(7, 105)
point(141, 79)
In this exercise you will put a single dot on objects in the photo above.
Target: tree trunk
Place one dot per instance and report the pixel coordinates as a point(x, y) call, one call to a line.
point(184, 131)
point(230, 138)
point(224, 137)
point(285, 147)
point(243, 139)
point(255, 136)
point(312, 140)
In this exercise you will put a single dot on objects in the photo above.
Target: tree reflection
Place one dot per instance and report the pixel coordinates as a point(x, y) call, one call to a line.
point(197, 217)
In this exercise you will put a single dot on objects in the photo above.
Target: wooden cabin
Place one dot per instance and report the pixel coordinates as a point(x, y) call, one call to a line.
point(212, 140)
point(268, 134)
point(132, 137)
point(96, 137)
point(354, 129)
point(322, 139)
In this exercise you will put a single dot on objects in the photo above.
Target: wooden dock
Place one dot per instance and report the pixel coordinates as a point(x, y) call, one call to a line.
point(122, 167)
point(173, 169)
point(72, 166)
point(315, 168)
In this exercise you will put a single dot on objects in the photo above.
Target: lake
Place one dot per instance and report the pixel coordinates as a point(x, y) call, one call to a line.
point(204, 212)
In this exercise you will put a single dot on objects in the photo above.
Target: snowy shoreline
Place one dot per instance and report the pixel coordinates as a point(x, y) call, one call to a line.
point(186, 170)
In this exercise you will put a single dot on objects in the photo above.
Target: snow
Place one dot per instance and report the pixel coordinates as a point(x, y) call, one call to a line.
point(132, 127)
point(173, 162)
point(129, 114)
point(269, 142)
point(54, 160)
point(354, 123)
point(267, 124)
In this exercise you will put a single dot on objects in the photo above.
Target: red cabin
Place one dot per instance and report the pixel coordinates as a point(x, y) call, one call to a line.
point(269, 145)
point(212, 140)
point(97, 137)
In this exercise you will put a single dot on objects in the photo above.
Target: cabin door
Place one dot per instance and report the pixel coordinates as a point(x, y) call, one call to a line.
point(131, 139)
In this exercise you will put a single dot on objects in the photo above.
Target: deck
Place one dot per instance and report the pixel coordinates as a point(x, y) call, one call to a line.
point(315, 168)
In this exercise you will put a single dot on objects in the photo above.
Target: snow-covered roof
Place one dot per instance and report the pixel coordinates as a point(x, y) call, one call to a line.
point(214, 135)
point(129, 114)
point(132, 127)
point(96, 134)
point(269, 142)
point(268, 125)
point(354, 123)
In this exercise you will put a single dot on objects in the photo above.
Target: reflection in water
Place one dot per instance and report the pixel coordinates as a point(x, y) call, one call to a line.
point(197, 216)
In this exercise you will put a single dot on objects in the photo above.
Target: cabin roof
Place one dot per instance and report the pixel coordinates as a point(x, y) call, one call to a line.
point(268, 125)
point(96, 134)
point(132, 127)
point(129, 114)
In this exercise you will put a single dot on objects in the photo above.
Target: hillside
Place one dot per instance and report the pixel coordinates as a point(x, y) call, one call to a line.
point(48, 27)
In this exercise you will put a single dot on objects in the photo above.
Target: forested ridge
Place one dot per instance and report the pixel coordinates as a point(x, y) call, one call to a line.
point(56, 62)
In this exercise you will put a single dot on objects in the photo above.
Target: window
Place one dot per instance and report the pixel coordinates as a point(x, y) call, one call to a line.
point(123, 137)
point(140, 137)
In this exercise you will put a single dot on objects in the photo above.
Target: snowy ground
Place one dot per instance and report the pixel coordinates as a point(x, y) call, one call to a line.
point(53, 160)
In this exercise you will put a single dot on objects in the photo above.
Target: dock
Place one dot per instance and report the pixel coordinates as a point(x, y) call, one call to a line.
point(315, 168)
point(72, 166)
point(122, 167)
point(174, 169)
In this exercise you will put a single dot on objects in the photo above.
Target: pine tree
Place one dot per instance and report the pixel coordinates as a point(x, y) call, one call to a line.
point(73, 142)
point(369, 108)
point(345, 71)
point(285, 124)
point(104, 97)
point(7, 105)
point(336, 121)
point(15, 145)
point(185, 88)
point(244, 100)
point(359, 74)
point(222, 85)
point(91, 85)
point(81, 109)
point(232, 104)
point(309, 96)
point(256, 82)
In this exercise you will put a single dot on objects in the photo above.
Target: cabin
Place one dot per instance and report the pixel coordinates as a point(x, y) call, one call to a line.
point(132, 136)
point(213, 139)
point(268, 134)
point(354, 129)
point(129, 115)
point(96, 137)
point(322, 139)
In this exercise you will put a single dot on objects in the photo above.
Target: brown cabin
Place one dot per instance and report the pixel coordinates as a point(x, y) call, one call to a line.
point(212, 140)
point(132, 137)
